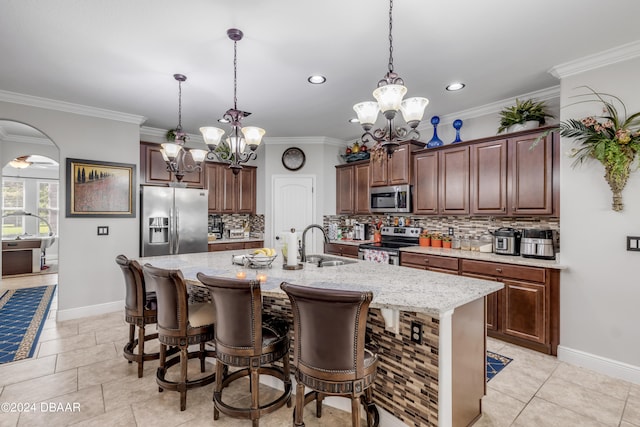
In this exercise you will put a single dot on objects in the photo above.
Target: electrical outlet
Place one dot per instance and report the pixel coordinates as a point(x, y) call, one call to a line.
point(633, 243)
point(450, 231)
point(103, 230)
point(416, 332)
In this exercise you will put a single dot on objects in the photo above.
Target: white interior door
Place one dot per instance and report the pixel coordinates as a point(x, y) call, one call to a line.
point(293, 207)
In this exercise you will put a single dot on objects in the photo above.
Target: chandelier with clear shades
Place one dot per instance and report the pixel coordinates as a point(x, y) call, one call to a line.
point(174, 154)
point(388, 95)
point(233, 148)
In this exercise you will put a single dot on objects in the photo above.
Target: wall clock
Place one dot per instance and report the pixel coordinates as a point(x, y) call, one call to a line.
point(293, 158)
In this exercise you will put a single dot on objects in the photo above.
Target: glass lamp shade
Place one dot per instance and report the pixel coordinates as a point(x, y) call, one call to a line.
point(19, 163)
point(389, 97)
point(198, 155)
point(233, 142)
point(253, 135)
point(170, 150)
point(211, 135)
point(413, 108)
point(367, 112)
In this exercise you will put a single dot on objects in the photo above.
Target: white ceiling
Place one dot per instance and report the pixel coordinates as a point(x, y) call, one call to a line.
point(121, 54)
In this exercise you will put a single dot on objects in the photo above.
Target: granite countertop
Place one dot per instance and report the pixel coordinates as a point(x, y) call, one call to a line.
point(482, 256)
point(394, 287)
point(350, 242)
point(248, 239)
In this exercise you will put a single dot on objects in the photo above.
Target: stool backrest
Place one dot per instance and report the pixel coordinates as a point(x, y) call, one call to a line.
point(329, 327)
point(171, 291)
point(135, 295)
point(238, 313)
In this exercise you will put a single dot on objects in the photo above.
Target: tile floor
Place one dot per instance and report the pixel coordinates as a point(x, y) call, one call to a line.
point(80, 362)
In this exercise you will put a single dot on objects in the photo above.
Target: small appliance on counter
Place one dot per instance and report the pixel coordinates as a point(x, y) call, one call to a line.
point(236, 233)
point(361, 232)
point(507, 241)
point(537, 243)
point(216, 226)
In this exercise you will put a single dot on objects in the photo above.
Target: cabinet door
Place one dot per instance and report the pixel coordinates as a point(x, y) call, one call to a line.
point(425, 183)
point(361, 188)
point(398, 166)
point(344, 190)
point(530, 185)
point(489, 178)
point(213, 183)
point(228, 191)
point(378, 171)
point(454, 181)
point(155, 168)
point(492, 301)
point(524, 307)
point(247, 190)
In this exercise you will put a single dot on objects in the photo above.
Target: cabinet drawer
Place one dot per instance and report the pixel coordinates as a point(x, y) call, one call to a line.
point(532, 274)
point(430, 261)
point(350, 251)
point(254, 245)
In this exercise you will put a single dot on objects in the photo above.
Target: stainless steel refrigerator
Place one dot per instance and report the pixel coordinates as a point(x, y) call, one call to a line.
point(173, 220)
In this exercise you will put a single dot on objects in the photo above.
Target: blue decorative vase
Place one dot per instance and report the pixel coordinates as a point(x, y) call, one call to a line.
point(457, 124)
point(435, 141)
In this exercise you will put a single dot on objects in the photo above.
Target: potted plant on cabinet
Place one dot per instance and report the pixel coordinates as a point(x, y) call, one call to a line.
point(436, 240)
point(524, 115)
point(425, 238)
point(446, 242)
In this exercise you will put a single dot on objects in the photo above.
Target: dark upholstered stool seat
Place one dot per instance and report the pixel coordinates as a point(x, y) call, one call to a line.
point(248, 340)
point(180, 325)
point(330, 355)
point(140, 310)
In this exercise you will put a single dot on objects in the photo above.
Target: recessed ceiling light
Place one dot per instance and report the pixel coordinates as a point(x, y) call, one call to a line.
point(455, 86)
point(223, 121)
point(354, 120)
point(317, 79)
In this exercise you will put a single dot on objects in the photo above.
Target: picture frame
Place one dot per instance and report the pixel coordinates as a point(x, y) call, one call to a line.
point(98, 189)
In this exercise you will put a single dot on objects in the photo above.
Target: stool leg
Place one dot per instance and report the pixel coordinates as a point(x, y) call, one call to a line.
point(140, 350)
point(220, 374)
point(319, 399)
point(299, 409)
point(287, 376)
point(202, 356)
point(163, 359)
point(132, 332)
point(355, 411)
point(255, 395)
point(182, 386)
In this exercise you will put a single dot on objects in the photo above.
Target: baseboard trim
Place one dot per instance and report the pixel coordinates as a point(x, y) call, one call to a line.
point(90, 310)
point(610, 367)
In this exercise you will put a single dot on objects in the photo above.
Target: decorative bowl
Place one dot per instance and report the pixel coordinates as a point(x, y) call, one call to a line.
point(259, 261)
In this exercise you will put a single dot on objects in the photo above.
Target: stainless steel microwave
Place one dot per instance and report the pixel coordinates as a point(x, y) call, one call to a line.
point(396, 198)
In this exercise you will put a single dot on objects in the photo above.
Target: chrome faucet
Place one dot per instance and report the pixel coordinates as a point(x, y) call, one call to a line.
point(303, 252)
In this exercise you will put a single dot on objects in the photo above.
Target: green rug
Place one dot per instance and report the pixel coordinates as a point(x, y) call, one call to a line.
point(22, 315)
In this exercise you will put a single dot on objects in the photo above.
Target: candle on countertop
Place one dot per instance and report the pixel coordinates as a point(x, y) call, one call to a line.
point(241, 275)
point(262, 277)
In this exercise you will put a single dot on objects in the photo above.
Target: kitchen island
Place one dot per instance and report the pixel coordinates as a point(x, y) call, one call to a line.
point(429, 328)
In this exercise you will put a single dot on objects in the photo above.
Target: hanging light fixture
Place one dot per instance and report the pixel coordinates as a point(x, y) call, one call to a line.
point(389, 96)
point(20, 162)
point(174, 153)
point(232, 150)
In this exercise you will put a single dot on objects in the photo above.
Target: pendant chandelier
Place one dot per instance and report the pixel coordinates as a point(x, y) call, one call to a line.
point(389, 96)
point(174, 153)
point(233, 148)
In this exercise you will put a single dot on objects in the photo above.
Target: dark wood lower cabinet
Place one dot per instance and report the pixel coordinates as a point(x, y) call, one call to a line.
point(525, 312)
point(350, 251)
point(234, 246)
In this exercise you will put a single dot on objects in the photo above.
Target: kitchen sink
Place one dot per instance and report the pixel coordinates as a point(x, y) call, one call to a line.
point(327, 261)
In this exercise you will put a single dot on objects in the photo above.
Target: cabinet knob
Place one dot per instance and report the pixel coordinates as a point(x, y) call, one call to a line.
point(499, 270)
point(504, 209)
point(426, 261)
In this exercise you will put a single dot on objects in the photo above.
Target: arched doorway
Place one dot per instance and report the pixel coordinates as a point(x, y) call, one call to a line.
point(30, 205)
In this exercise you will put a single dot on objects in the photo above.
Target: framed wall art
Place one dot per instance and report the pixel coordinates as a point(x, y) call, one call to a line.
point(100, 189)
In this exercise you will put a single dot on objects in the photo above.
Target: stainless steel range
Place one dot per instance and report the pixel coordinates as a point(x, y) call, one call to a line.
point(393, 238)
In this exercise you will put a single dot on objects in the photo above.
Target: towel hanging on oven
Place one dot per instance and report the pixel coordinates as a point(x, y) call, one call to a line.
point(379, 257)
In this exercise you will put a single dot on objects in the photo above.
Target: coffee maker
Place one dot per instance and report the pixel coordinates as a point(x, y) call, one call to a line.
point(361, 232)
point(216, 226)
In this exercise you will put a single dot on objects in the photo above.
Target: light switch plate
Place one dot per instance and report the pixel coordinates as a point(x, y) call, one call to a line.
point(633, 243)
point(103, 230)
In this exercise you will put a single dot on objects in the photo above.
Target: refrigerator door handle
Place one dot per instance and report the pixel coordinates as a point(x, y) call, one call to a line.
point(177, 231)
point(171, 232)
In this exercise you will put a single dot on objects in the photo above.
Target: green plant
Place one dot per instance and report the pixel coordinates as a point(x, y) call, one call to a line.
point(612, 138)
point(436, 236)
point(425, 233)
point(446, 238)
point(523, 112)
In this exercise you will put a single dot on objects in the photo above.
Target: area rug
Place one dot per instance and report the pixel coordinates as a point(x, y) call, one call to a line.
point(22, 315)
point(495, 363)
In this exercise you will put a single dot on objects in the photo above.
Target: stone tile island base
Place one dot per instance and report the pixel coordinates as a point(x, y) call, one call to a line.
point(411, 383)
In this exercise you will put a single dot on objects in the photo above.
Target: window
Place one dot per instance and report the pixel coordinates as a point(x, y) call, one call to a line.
point(48, 206)
point(13, 198)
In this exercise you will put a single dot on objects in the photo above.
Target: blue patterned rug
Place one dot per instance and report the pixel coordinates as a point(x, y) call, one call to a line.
point(495, 363)
point(22, 315)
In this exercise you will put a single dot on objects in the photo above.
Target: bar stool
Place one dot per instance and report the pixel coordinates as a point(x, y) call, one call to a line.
point(139, 310)
point(247, 340)
point(329, 349)
point(180, 324)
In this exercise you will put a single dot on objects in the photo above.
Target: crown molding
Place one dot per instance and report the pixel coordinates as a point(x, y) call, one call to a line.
point(67, 107)
point(18, 139)
point(598, 60)
point(304, 140)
